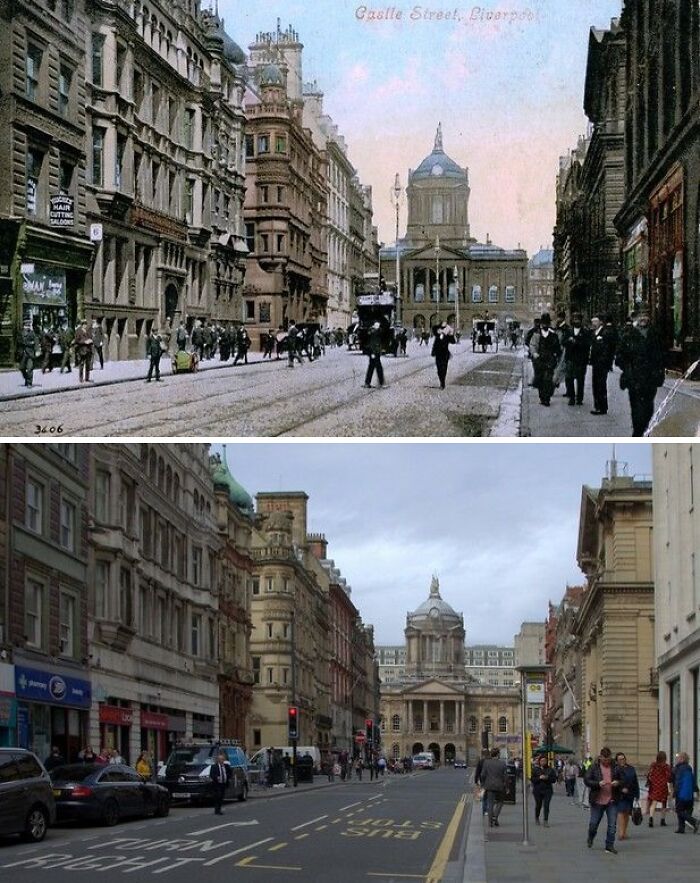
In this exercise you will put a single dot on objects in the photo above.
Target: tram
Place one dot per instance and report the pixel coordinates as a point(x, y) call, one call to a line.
point(371, 308)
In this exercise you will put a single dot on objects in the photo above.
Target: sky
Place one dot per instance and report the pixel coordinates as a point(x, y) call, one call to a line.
point(497, 523)
point(509, 94)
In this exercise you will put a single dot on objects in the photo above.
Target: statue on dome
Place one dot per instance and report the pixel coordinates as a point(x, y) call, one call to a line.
point(434, 587)
point(438, 138)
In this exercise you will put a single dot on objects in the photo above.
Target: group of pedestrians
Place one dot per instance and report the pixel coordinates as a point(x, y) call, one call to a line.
point(83, 344)
point(565, 352)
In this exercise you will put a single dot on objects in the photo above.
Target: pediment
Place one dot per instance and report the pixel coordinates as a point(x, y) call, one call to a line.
point(433, 686)
point(447, 254)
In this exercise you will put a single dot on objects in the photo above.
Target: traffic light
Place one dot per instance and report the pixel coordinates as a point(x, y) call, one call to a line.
point(369, 731)
point(293, 723)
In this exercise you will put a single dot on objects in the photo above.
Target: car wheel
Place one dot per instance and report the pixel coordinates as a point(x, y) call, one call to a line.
point(110, 813)
point(36, 825)
point(244, 794)
point(162, 808)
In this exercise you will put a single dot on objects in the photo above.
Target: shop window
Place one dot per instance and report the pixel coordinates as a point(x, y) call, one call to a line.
point(34, 511)
point(67, 525)
point(67, 632)
point(33, 71)
point(65, 79)
point(34, 613)
point(98, 45)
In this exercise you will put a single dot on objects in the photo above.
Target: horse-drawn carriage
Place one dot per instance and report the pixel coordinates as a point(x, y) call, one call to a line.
point(484, 335)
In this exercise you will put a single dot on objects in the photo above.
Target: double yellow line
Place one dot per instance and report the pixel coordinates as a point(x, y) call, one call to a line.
point(437, 869)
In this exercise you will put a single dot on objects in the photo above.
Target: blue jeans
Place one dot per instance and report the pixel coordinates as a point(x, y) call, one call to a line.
point(597, 813)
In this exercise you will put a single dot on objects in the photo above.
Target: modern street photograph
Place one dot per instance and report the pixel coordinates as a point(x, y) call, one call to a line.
point(349, 662)
point(404, 220)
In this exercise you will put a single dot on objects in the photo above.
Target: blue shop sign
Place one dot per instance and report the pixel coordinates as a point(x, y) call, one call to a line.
point(44, 686)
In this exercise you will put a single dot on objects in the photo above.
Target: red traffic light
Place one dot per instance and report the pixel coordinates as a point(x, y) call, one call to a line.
point(292, 711)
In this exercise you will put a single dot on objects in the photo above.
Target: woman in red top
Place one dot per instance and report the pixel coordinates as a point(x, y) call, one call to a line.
point(658, 777)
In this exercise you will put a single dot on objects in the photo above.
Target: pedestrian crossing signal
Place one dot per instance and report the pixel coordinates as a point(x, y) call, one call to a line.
point(293, 723)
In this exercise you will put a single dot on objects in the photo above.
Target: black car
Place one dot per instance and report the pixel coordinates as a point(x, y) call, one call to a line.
point(188, 771)
point(27, 805)
point(105, 793)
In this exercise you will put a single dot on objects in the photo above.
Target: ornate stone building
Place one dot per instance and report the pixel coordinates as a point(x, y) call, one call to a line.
point(540, 278)
point(442, 265)
point(614, 626)
point(564, 682)
point(434, 707)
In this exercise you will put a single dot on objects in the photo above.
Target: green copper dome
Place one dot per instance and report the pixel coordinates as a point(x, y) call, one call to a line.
point(223, 480)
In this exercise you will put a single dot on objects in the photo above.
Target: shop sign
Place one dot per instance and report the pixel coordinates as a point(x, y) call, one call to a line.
point(45, 286)
point(45, 686)
point(535, 692)
point(95, 232)
point(151, 720)
point(8, 708)
point(113, 714)
point(61, 211)
point(383, 299)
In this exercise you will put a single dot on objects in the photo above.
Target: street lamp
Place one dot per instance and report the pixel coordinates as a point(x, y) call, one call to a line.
point(437, 275)
point(532, 680)
point(457, 299)
point(397, 199)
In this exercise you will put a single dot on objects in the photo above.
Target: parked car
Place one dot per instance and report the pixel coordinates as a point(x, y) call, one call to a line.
point(27, 804)
point(95, 792)
point(188, 771)
point(460, 763)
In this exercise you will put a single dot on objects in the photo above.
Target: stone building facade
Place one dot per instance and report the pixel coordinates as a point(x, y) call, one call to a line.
point(443, 268)
point(43, 614)
point(45, 252)
point(153, 600)
point(614, 626)
point(540, 278)
point(562, 714)
point(166, 169)
point(658, 222)
point(677, 596)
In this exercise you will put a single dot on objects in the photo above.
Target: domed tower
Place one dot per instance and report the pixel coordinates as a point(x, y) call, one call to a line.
point(273, 85)
point(224, 480)
point(435, 639)
point(438, 199)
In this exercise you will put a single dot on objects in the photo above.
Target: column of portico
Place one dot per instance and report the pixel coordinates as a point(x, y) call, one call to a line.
point(425, 715)
point(442, 716)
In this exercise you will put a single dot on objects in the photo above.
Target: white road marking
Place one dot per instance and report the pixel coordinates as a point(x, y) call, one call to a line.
point(376, 797)
point(220, 858)
point(349, 805)
point(319, 819)
point(225, 825)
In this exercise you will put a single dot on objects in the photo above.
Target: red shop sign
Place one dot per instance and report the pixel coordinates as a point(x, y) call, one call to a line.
point(151, 720)
point(112, 714)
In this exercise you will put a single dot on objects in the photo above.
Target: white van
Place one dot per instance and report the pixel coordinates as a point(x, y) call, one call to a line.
point(259, 759)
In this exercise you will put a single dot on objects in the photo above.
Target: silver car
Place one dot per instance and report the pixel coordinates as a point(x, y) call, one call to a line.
point(27, 804)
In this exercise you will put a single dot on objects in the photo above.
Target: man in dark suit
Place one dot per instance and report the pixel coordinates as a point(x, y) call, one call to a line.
point(374, 351)
point(441, 351)
point(220, 775)
point(640, 355)
point(602, 355)
point(548, 352)
point(577, 349)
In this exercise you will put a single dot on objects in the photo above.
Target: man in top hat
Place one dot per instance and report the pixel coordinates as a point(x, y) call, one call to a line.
point(83, 351)
point(546, 357)
point(374, 351)
point(641, 358)
point(441, 351)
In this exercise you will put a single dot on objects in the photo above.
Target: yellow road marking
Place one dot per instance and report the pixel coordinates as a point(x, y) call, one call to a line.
point(248, 863)
point(437, 869)
point(276, 847)
point(301, 836)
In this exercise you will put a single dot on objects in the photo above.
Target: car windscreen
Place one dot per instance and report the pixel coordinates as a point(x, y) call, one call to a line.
point(192, 759)
point(78, 772)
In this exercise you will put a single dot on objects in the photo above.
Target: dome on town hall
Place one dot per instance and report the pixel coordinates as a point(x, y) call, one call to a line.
point(434, 611)
point(271, 75)
point(438, 164)
point(224, 480)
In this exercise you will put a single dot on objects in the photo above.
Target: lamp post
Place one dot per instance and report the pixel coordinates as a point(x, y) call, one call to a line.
point(397, 198)
point(530, 676)
point(437, 275)
point(457, 293)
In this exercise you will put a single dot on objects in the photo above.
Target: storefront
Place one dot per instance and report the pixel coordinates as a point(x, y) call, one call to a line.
point(115, 729)
point(636, 257)
point(154, 734)
point(52, 709)
point(8, 705)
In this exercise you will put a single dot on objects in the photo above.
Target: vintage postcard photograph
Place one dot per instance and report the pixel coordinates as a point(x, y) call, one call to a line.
point(336, 219)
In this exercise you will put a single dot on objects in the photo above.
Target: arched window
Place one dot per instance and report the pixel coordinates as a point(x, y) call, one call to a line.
point(169, 481)
point(488, 724)
point(473, 724)
point(502, 725)
point(396, 723)
point(396, 751)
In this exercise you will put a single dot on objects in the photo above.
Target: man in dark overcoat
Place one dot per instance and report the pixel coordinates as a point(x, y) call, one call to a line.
point(641, 358)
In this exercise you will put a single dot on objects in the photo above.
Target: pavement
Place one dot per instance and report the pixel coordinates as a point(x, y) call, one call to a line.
point(559, 853)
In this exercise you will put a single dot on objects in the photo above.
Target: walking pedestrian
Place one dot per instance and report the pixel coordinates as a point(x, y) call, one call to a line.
point(627, 793)
point(27, 353)
point(269, 345)
point(640, 356)
point(547, 350)
point(181, 337)
point(529, 335)
point(83, 351)
point(154, 351)
point(143, 766)
point(601, 359)
point(242, 346)
point(98, 342)
point(48, 339)
point(571, 772)
point(65, 342)
point(374, 351)
point(358, 769)
point(581, 790)
point(220, 774)
point(198, 340)
point(477, 778)
point(602, 779)
point(577, 349)
point(166, 334)
point(441, 351)
point(658, 781)
point(543, 779)
point(493, 780)
point(292, 342)
point(685, 787)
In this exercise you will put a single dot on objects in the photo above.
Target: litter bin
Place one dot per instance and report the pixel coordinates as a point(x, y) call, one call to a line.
point(511, 778)
point(305, 768)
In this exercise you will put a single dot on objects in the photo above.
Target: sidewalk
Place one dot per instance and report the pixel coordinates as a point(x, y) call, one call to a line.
point(320, 783)
point(12, 384)
point(560, 853)
point(561, 420)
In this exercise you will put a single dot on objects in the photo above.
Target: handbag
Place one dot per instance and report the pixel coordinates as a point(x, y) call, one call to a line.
point(636, 813)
